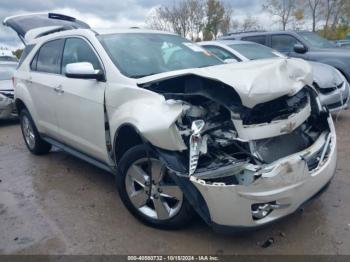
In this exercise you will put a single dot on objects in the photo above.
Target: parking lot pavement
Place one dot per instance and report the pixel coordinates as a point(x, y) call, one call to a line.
point(57, 204)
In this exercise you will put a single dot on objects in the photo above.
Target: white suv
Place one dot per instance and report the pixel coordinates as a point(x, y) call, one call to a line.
point(241, 144)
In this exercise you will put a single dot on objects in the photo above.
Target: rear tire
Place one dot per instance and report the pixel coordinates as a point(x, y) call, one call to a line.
point(153, 199)
point(35, 144)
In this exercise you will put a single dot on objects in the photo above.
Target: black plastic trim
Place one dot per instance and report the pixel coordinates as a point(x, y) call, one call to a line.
point(79, 154)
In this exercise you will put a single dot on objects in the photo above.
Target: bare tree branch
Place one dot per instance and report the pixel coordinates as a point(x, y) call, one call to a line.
point(283, 9)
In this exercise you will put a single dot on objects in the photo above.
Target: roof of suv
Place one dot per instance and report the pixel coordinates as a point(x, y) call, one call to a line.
point(257, 33)
point(226, 42)
point(80, 31)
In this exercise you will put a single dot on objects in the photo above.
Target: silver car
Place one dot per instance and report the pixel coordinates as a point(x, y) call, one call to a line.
point(332, 86)
point(7, 108)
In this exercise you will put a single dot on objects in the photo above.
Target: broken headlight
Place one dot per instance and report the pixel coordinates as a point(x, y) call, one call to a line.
point(196, 144)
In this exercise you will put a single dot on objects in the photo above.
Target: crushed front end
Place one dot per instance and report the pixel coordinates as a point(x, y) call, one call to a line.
point(249, 165)
point(262, 165)
point(7, 108)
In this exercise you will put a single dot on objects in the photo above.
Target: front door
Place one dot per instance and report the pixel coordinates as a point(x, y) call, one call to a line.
point(80, 111)
point(285, 44)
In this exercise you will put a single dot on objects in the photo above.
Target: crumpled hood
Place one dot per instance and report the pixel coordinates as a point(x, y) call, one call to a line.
point(325, 76)
point(256, 81)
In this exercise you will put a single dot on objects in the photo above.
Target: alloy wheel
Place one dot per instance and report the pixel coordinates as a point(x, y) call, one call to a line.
point(28, 132)
point(151, 189)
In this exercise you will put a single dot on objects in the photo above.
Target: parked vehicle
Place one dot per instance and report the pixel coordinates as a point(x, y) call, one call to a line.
point(7, 56)
point(7, 107)
point(241, 144)
point(343, 43)
point(332, 86)
point(301, 44)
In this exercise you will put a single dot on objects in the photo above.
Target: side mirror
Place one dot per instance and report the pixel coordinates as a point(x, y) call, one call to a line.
point(230, 61)
point(300, 49)
point(83, 70)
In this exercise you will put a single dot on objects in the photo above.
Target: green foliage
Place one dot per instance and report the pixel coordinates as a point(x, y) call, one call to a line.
point(18, 53)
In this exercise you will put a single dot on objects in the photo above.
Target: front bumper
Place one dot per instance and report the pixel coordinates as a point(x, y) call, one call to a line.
point(338, 99)
point(287, 182)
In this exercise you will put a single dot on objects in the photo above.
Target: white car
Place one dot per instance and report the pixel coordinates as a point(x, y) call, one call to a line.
point(241, 144)
point(334, 90)
point(7, 106)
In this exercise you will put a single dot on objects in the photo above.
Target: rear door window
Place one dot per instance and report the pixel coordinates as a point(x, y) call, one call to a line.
point(283, 43)
point(261, 39)
point(49, 57)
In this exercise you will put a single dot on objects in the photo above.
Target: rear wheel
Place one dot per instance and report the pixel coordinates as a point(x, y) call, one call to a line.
point(31, 136)
point(149, 192)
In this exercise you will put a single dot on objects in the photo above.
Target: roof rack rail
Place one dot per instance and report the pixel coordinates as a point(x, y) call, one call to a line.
point(243, 32)
point(55, 30)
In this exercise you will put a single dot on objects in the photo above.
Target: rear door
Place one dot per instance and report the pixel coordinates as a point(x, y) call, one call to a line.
point(44, 83)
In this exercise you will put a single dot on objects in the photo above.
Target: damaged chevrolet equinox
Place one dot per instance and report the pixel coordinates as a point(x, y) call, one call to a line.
point(241, 144)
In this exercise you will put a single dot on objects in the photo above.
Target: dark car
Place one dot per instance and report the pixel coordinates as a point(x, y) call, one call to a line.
point(301, 44)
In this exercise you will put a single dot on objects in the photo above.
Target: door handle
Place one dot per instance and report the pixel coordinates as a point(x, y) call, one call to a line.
point(58, 89)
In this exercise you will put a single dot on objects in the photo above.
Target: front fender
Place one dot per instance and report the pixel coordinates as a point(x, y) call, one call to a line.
point(151, 115)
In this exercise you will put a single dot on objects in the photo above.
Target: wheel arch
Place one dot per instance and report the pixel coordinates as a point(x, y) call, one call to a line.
point(20, 105)
point(126, 137)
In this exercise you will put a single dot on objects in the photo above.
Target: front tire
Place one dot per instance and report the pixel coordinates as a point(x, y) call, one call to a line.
point(148, 191)
point(31, 136)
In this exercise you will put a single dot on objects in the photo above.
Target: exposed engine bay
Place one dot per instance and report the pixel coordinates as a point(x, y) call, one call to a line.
point(230, 143)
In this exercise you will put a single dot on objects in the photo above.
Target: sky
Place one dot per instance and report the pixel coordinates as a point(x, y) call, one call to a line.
point(106, 13)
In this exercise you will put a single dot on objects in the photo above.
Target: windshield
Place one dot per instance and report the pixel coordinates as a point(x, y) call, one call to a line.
point(255, 51)
point(141, 54)
point(6, 72)
point(316, 41)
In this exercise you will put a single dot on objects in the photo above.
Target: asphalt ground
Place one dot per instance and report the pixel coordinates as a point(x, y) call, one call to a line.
point(58, 204)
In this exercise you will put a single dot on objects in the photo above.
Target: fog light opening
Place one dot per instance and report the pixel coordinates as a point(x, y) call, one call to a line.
point(261, 210)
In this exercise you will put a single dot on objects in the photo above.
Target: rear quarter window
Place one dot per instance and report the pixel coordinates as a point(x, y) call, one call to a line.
point(25, 53)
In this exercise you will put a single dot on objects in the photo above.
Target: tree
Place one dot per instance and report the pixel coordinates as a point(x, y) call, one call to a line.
point(314, 6)
point(196, 11)
point(215, 13)
point(250, 23)
point(156, 20)
point(191, 18)
point(171, 18)
point(336, 17)
point(283, 9)
point(225, 25)
point(299, 19)
point(18, 52)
